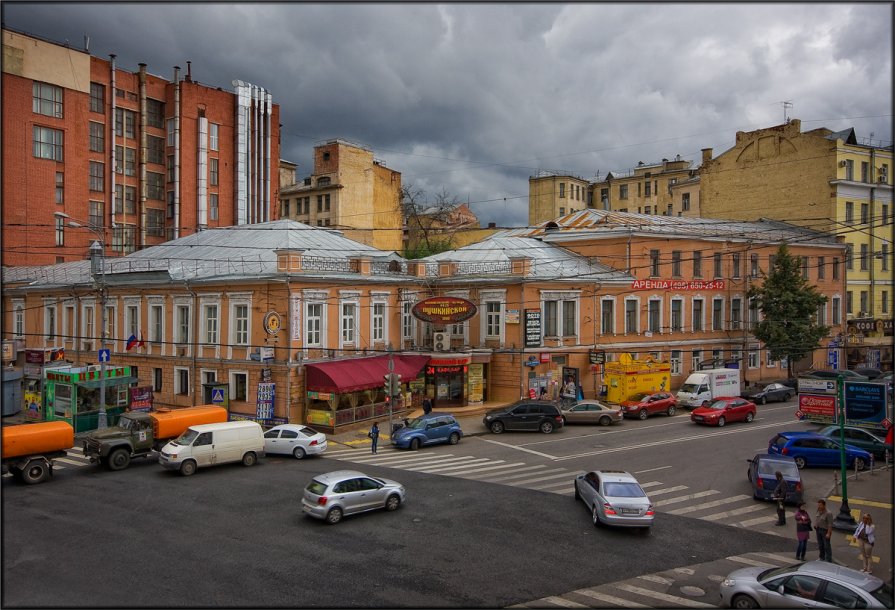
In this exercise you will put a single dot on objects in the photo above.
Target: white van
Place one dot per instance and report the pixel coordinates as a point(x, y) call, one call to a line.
point(209, 444)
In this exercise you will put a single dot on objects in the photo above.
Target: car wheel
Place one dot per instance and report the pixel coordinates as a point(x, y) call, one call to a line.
point(188, 468)
point(643, 414)
point(787, 397)
point(749, 475)
point(34, 472)
point(119, 459)
point(577, 493)
point(454, 438)
point(595, 516)
point(298, 453)
point(497, 427)
point(749, 417)
point(670, 411)
point(334, 515)
point(546, 427)
point(605, 421)
point(249, 459)
point(800, 462)
point(743, 601)
point(414, 444)
point(721, 422)
point(393, 502)
point(762, 401)
point(860, 464)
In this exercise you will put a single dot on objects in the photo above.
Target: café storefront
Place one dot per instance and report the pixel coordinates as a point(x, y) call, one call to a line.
point(73, 395)
point(868, 343)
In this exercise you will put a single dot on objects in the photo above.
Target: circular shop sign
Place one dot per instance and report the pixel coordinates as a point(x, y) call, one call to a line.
point(272, 323)
point(444, 310)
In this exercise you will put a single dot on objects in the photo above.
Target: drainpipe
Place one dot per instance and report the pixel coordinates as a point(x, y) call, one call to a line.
point(872, 249)
point(112, 140)
point(143, 186)
point(194, 344)
point(267, 172)
point(176, 221)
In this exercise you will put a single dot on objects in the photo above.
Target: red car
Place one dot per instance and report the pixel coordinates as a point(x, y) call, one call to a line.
point(723, 410)
point(645, 404)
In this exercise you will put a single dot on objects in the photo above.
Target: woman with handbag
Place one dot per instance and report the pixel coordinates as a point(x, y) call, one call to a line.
point(865, 538)
point(803, 530)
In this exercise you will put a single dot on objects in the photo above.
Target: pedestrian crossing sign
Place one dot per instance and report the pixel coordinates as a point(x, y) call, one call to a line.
point(217, 395)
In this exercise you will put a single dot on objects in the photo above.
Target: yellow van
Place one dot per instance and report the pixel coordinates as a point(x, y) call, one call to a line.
point(211, 444)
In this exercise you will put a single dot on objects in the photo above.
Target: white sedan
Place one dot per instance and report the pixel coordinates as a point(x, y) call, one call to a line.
point(295, 439)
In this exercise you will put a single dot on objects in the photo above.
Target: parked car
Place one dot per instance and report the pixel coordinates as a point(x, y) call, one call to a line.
point(614, 497)
point(644, 404)
point(790, 383)
point(430, 429)
point(813, 449)
point(762, 474)
point(861, 438)
point(591, 412)
point(772, 392)
point(812, 584)
point(540, 415)
point(335, 494)
point(869, 373)
point(295, 439)
point(829, 374)
point(724, 410)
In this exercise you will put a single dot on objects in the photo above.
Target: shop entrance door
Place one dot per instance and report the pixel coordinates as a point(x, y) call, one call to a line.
point(449, 390)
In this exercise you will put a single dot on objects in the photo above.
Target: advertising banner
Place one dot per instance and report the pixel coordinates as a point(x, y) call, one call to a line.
point(821, 408)
point(265, 400)
point(141, 398)
point(865, 403)
point(532, 328)
point(476, 376)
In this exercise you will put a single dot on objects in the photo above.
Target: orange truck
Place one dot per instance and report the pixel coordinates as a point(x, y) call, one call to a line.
point(138, 433)
point(28, 450)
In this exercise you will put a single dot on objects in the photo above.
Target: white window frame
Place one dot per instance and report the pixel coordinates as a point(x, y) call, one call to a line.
point(70, 331)
point(239, 336)
point(51, 321)
point(313, 298)
point(770, 362)
point(348, 322)
point(208, 376)
point(18, 318)
point(232, 381)
point(737, 317)
point(718, 325)
point(378, 317)
point(112, 338)
point(408, 322)
point(178, 386)
point(612, 319)
point(559, 297)
point(213, 135)
point(693, 319)
point(683, 320)
point(753, 357)
point(87, 332)
point(649, 320)
point(493, 320)
point(183, 317)
point(211, 325)
point(695, 359)
point(676, 362)
point(132, 317)
point(157, 322)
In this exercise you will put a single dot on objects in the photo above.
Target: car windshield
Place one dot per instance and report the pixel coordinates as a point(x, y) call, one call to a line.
point(718, 405)
point(775, 572)
point(125, 423)
point(623, 490)
point(639, 396)
point(186, 438)
point(769, 467)
point(417, 423)
point(883, 595)
point(689, 387)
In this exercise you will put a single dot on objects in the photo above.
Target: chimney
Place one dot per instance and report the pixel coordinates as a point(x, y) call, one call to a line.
point(492, 225)
point(189, 72)
point(706, 155)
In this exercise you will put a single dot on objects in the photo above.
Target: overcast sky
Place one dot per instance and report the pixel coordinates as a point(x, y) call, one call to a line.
point(474, 99)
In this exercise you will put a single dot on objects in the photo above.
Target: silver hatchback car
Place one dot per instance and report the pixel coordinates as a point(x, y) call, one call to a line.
point(332, 495)
point(813, 584)
point(614, 497)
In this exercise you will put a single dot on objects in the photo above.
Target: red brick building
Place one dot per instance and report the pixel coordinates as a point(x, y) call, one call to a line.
point(91, 149)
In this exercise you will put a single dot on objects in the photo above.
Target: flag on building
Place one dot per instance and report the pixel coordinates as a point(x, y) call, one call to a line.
point(141, 343)
point(131, 342)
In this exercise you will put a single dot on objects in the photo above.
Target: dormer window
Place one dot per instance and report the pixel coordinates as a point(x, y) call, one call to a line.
point(325, 181)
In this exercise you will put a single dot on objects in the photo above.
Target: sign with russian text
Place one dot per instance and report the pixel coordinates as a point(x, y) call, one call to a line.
point(865, 403)
point(818, 407)
point(818, 386)
point(512, 316)
point(532, 328)
point(444, 310)
point(264, 409)
point(677, 285)
point(141, 398)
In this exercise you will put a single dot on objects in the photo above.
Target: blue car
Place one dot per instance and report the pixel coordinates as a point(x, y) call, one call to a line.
point(762, 474)
point(428, 429)
point(812, 449)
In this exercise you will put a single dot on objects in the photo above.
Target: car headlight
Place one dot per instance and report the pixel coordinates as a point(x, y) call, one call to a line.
point(728, 582)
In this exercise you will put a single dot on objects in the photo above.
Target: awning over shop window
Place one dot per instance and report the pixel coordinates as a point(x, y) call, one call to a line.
point(354, 374)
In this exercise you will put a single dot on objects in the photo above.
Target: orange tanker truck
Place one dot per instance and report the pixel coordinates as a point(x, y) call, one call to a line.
point(138, 433)
point(29, 449)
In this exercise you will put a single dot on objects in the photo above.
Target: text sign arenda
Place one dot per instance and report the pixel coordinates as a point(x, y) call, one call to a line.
point(677, 285)
point(444, 310)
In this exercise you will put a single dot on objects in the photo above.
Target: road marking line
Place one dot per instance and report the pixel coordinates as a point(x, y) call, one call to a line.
point(861, 502)
point(429, 469)
point(689, 603)
point(491, 474)
point(437, 462)
point(655, 578)
point(651, 470)
point(751, 522)
point(570, 485)
point(698, 494)
point(667, 490)
point(544, 478)
point(731, 513)
point(566, 603)
point(610, 599)
point(784, 559)
point(650, 484)
point(501, 466)
point(704, 505)
point(528, 474)
point(751, 562)
point(551, 457)
point(68, 461)
point(397, 459)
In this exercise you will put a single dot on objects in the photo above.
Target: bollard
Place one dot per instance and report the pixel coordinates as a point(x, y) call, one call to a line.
point(835, 482)
point(872, 460)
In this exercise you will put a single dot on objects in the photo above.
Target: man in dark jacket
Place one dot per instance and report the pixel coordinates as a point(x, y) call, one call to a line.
point(780, 495)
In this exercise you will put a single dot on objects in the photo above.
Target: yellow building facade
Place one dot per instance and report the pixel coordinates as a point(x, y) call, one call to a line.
point(551, 195)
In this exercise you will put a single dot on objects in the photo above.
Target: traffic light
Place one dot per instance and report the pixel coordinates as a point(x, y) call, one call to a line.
point(388, 384)
point(392, 383)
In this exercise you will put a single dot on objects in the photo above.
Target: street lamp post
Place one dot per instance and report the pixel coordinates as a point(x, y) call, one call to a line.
point(98, 270)
point(844, 520)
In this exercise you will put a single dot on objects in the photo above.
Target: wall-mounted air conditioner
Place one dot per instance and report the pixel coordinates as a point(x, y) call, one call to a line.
point(441, 342)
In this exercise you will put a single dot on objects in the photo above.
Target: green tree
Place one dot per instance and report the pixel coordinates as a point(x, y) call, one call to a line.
point(788, 304)
point(426, 222)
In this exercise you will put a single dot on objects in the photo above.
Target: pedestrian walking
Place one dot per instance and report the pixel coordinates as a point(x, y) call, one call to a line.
point(427, 405)
point(374, 436)
point(779, 496)
point(865, 538)
point(803, 530)
point(823, 527)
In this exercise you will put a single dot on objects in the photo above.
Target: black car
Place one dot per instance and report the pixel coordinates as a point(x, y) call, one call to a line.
point(772, 392)
point(532, 415)
point(869, 373)
point(833, 375)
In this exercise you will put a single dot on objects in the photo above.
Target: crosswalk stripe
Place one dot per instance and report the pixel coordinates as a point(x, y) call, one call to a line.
point(569, 484)
point(69, 461)
point(385, 461)
point(655, 578)
point(650, 484)
point(610, 599)
point(544, 478)
point(559, 601)
point(491, 474)
point(751, 562)
point(674, 599)
point(698, 494)
point(734, 512)
point(756, 521)
point(417, 464)
point(439, 468)
point(667, 490)
point(490, 468)
point(784, 559)
point(704, 505)
point(527, 474)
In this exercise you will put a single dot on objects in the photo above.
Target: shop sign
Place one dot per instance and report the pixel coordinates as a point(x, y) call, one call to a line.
point(272, 323)
point(444, 310)
point(320, 395)
point(532, 361)
point(296, 317)
point(869, 325)
point(532, 328)
point(445, 369)
point(141, 398)
point(512, 316)
point(88, 374)
point(817, 406)
point(818, 386)
point(8, 351)
point(34, 356)
point(596, 357)
point(476, 383)
point(320, 417)
point(266, 392)
point(449, 361)
point(545, 357)
point(677, 285)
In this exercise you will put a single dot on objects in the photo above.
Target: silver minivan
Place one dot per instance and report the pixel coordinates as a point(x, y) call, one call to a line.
point(210, 444)
point(344, 492)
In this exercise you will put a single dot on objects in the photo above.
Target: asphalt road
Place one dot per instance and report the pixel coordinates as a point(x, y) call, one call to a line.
point(234, 536)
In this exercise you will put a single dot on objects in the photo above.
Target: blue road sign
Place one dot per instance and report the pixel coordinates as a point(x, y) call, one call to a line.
point(833, 358)
point(105, 355)
point(217, 395)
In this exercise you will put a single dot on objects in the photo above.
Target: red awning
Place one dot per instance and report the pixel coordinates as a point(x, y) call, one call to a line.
point(353, 374)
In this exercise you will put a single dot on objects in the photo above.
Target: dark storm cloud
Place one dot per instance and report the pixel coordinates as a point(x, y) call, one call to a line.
point(474, 99)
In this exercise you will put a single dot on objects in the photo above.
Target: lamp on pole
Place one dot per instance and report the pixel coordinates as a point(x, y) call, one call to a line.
point(844, 520)
point(98, 271)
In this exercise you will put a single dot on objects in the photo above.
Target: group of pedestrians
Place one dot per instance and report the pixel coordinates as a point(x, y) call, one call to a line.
point(823, 528)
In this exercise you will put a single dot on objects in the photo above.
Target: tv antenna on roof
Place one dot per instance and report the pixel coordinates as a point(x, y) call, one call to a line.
point(786, 105)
